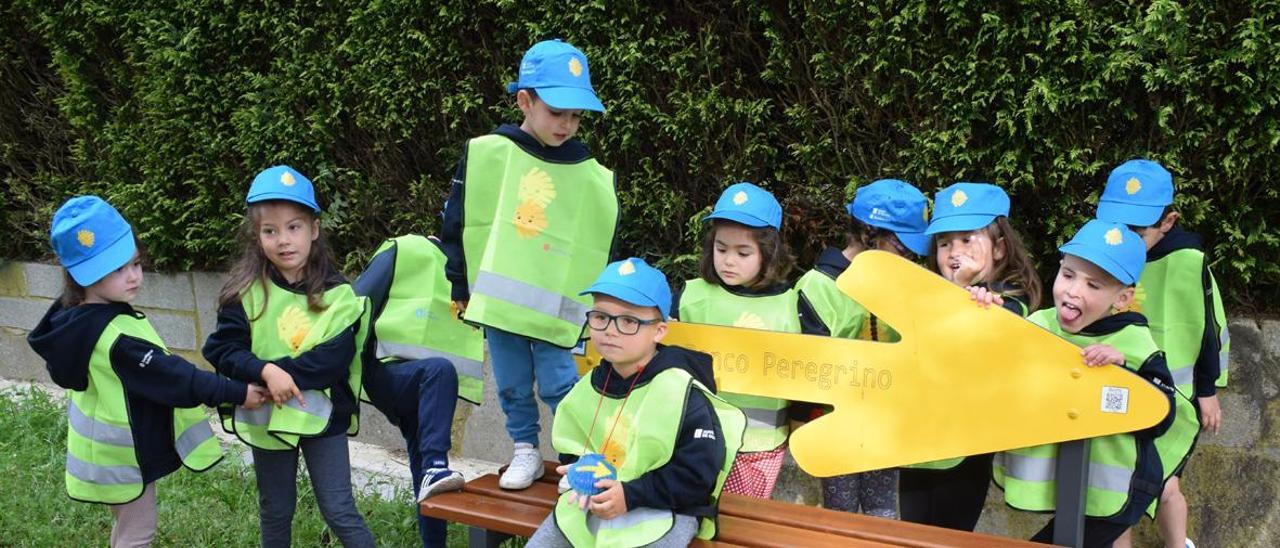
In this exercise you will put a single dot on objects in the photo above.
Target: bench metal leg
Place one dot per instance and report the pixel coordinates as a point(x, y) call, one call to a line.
point(484, 538)
point(1072, 484)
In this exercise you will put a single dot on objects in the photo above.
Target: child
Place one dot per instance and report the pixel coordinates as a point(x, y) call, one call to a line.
point(1179, 296)
point(133, 414)
point(287, 319)
point(529, 222)
point(744, 284)
point(1099, 267)
point(659, 425)
point(889, 215)
point(974, 245)
point(420, 358)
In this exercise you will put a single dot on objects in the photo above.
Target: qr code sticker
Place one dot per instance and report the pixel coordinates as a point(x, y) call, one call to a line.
point(1115, 399)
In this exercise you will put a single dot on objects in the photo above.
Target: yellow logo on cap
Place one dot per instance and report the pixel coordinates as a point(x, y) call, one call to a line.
point(740, 198)
point(287, 179)
point(1114, 237)
point(575, 67)
point(626, 269)
point(958, 198)
point(85, 237)
point(1133, 186)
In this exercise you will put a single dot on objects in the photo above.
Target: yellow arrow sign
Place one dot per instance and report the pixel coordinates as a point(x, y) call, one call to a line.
point(963, 380)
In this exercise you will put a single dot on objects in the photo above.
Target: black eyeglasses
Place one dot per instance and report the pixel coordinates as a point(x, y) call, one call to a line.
point(627, 325)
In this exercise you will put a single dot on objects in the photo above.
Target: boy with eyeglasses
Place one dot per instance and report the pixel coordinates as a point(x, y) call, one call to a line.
point(652, 412)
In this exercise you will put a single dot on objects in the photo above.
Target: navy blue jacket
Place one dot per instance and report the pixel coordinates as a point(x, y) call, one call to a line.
point(229, 349)
point(153, 386)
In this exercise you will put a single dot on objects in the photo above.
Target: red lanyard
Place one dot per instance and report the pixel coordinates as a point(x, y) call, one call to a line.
point(608, 374)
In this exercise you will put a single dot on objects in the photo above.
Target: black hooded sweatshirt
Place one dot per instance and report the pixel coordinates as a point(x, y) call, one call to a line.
point(154, 381)
point(685, 482)
point(327, 365)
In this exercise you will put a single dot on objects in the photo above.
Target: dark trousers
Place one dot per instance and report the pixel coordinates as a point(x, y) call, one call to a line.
point(419, 397)
point(1098, 533)
point(329, 466)
point(946, 498)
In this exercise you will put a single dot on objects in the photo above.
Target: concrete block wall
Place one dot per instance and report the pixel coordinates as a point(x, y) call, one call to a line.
point(1232, 483)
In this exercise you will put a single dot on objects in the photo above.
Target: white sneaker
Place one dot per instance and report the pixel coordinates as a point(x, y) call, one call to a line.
point(439, 480)
point(1189, 544)
point(526, 467)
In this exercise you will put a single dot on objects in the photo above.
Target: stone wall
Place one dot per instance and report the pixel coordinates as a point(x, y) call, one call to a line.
point(1232, 483)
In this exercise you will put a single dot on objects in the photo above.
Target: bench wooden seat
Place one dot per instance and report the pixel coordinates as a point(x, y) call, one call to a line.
point(494, 514)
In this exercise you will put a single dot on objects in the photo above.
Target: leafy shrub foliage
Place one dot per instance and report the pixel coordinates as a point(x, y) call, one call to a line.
point(168, 108)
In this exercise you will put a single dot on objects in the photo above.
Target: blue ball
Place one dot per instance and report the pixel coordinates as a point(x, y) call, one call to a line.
point(589, 469)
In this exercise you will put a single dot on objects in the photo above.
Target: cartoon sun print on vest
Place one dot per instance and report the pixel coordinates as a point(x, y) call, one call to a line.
point(85, 237)
point(293, 326)
point(750, 320)
point(1132, 186)
point(615, 448)
point(536, 192)
point(575, 67)
point(958, 198)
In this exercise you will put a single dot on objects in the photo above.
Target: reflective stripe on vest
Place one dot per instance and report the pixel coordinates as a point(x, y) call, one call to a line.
point(1101, 476)
point(702, 302)
point(285, 325)
point(101, 460)
point(644, 433)
point(535, 234)
point(465, 366)
point(529, 296)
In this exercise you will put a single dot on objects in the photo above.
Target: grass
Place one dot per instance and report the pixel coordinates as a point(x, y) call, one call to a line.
point(215, 508)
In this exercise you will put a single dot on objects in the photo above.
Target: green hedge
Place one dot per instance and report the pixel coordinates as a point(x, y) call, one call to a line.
point(168, 108)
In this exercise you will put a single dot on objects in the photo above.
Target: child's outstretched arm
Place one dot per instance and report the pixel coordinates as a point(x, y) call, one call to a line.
point(150, 372)
point(229, 347)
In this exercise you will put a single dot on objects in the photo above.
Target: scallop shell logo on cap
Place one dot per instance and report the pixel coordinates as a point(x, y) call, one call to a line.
point(1114, 237)
point(740, 198)
point(287, 179)
point(626, 269)
point(958, 198)
point(1132, 186)
point(85, 237)
point(575, 67)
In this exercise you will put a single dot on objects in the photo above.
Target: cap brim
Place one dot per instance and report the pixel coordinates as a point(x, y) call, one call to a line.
point(739, 217)
point(116, 255)
point(281, 196)
point(917, 242)
point(1101, 260)
point(563, 98)
point(626, 294)
point(1129, 214)
point(958, 223)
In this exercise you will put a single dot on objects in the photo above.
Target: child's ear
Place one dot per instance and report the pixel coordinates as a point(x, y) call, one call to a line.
point(524, 100)
point(998, 249)
point(659, 331)
point(1123, 299)
point(315, 228)
point(1167, 222)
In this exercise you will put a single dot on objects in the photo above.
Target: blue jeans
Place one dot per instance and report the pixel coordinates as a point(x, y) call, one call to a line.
point(419, 396)
point(517, 361)
point(329, 465)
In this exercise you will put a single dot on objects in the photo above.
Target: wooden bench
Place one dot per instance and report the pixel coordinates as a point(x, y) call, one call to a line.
point(495, 514)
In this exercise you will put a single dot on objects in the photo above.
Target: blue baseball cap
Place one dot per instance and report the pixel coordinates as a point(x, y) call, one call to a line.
point(558, 72)
point(967, 206)
point(91, 239)
point(1136, 194)
point(747, 204)
point(282, 183)
point(895, 206)
point(1111, 246)
point(634, 281)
